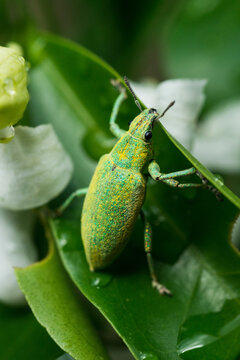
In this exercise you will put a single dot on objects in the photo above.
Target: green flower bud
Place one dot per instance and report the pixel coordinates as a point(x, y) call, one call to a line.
point(13, 87)
point(16, 47)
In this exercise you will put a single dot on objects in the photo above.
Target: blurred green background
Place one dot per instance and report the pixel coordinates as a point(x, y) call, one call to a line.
point(161, 39)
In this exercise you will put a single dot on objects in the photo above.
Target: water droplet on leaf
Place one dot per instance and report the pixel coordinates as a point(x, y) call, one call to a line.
point(219, 179)
point(148, 356)
point(63, 242)
point(100, 280)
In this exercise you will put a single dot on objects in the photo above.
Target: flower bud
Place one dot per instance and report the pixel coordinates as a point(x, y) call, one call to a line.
point(13, 88)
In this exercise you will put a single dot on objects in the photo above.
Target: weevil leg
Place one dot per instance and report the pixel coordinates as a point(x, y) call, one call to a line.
point(67, 202)
point(114, 127)
point(169, 179)
point(148, 248)
point(175, 183)
point(210, 187)
point(180, 173)
point(154, 171)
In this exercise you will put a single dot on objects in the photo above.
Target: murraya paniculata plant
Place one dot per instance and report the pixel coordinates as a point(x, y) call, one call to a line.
point(70, 88)
point(34, 168)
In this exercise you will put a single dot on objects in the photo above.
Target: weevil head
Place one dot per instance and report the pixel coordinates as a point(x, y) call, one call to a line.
point(135, 149)
point(141, 127)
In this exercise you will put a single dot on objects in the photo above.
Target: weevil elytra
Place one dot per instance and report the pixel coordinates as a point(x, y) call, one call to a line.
point(115, 196)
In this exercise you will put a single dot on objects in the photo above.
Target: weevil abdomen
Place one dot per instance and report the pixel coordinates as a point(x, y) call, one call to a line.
point(112, 204)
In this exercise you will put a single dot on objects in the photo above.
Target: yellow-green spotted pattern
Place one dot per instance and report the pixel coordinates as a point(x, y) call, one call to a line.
point(116, 195)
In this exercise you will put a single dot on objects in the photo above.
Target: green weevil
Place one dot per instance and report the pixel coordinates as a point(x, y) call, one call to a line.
point(115, 196)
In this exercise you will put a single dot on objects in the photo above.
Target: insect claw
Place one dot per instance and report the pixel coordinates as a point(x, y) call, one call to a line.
point(211, 188)
point(49, 213)
point(217, 193)
point(118, 85)
point(56, 213)
point(161, 288)
point(200, 175)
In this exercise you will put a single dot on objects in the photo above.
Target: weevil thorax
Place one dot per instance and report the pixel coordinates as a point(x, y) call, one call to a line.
point(134, 149)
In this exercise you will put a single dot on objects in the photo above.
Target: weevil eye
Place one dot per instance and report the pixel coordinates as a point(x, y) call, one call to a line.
point(129, 123)
point(148, 135)
point(152, 111)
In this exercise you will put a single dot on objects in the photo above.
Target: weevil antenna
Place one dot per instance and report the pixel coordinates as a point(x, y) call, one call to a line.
point(167, 108)
point(133, 93)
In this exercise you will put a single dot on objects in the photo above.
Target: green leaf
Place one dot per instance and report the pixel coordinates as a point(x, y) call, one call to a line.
point(219, 331)
point(202, 279)
point(70, 88)
point(57, 307)
point(22, 336)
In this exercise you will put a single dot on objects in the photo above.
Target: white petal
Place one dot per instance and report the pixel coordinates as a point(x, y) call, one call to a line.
point(34, 168)
point(181, 119)
point(17, 249)
point(217, 143)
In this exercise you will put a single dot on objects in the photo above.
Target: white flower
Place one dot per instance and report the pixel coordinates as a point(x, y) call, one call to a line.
point(34, 168)
point(217, 141)
point(17, 249)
